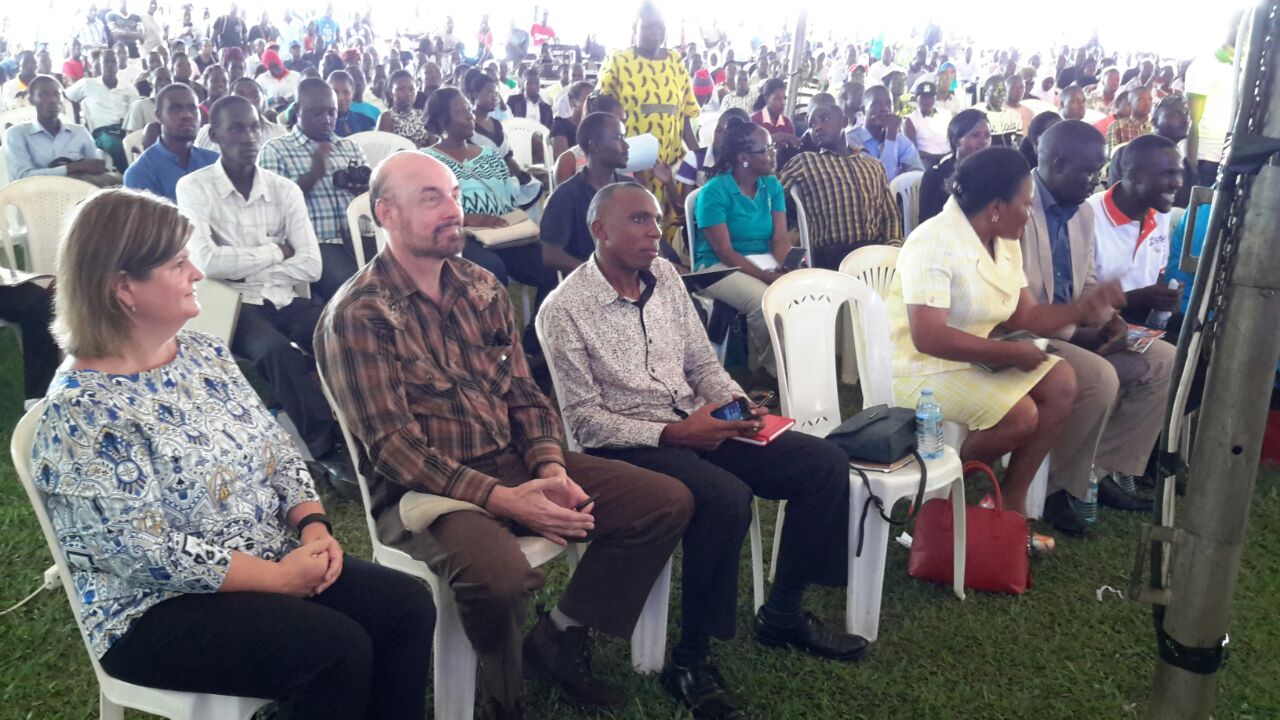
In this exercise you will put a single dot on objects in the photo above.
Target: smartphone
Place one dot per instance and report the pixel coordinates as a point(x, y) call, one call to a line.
point(736, 409)
point(794, 259)
point(585, 503)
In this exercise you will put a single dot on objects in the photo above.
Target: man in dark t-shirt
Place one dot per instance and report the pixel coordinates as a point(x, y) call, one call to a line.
point(565, 232)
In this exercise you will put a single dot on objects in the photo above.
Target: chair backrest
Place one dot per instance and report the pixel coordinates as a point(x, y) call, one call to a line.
point(14, 116)
point(378, 146)
point(354, 449)
point(547, 354)
point(907, 187)
point(802, 309)
point(4, 168)
point(520, 134)
point(691, 220)
point(219, 310)
point(133, 145)
point(874, 265)
point(20, 446)
point(360, 223)
point(45, 203)
point(802, 226)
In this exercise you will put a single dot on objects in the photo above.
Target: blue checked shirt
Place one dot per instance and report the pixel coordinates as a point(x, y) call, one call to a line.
point(290, 156)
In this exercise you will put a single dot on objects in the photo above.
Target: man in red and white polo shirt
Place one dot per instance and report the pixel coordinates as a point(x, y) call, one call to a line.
point(1131, 225)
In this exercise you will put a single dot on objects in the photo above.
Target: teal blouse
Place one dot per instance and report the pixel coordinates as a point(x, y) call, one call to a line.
point(750, 220)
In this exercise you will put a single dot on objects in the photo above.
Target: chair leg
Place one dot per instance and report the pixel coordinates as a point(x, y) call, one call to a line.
point(649, 640)
point(1036, 493)
point(454, 662)
point(959, 536)
point(866, 573)
point(757, 556)
point(108, 710)
point(777, 539)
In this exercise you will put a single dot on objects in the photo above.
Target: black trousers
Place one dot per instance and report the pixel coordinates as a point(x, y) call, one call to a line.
point(808, 472)
point(360, 649)
point(31, 308)
point(338, 264)
point(265, 334)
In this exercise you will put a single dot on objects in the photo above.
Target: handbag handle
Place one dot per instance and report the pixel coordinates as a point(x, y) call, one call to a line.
point(975, 466)
point(872, 499)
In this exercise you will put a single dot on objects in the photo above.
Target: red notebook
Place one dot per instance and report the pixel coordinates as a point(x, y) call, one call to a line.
point(774, 425)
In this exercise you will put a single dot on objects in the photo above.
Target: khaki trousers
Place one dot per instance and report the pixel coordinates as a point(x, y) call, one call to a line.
point(1117, 416)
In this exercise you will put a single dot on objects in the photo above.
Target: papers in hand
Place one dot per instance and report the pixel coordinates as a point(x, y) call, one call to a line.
point(764, 261)
point(519, 230)
point(1140, 338)
point(13, 278)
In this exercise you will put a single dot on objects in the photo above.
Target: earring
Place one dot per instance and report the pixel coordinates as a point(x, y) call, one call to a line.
point(132, 308)
point(995, 218)
point(746, 164)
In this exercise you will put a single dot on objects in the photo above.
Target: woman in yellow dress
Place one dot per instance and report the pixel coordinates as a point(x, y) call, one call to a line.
point(960, 278)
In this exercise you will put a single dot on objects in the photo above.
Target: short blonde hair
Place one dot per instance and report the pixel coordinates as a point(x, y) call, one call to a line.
point(113, 231)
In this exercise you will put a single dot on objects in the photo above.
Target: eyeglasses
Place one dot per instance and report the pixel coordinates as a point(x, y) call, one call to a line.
point(771, 147)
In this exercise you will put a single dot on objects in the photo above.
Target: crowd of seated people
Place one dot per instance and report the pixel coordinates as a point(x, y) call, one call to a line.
point(246, 176)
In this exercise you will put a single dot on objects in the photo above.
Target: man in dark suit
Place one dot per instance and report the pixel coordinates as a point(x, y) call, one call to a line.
point(529, 104)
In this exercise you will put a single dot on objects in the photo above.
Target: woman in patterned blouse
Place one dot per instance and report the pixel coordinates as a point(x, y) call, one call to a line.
point(198, 544)
point(402, 118)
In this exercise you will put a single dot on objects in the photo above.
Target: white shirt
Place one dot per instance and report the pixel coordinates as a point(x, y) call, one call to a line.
point(152, 35)
point(1126, 250)
point(105, 106)
point(931, 132)
point(9, 95)
point(141, 112)
point(273, 87)
point(1215, 80)
point(128, 75)
point(239, 240)
point(270, 131)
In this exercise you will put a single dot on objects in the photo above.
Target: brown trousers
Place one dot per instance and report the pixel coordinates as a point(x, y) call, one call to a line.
point(640, 516)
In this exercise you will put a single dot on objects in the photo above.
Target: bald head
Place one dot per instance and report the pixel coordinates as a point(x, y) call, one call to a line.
point(417, 199)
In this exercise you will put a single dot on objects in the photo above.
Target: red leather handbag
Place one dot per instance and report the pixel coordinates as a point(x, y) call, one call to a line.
point(995, 549)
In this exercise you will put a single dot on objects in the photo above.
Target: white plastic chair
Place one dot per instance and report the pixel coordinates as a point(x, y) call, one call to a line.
point(45, 204)
point(360, 214)
point(649, 639)
point(14, 116)
point(133, 146)
point(876, 266)
point(802, 308)
point(378, 145)
point(453, 658)
point(520, 134)
point(116, 695)
point(219, 310)
point(802, 227)
point(906, 187)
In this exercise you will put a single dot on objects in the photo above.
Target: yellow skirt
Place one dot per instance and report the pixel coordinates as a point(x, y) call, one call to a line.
point(974, 397)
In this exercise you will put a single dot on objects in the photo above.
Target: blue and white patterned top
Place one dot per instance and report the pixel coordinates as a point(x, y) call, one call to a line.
point(152, 480)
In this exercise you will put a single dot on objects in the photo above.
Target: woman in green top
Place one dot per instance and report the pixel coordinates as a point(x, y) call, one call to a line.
point(741, 216)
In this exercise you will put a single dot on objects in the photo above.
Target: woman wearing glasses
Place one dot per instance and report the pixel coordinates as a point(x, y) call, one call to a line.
point(742, 223)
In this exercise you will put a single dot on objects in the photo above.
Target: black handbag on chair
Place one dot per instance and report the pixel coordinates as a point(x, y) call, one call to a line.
point(880, 435)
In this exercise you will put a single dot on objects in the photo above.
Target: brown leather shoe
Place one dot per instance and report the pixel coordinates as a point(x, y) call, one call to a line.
point(563, 659)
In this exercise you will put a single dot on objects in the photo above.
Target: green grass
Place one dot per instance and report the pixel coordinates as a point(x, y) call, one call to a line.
point(1055, 652)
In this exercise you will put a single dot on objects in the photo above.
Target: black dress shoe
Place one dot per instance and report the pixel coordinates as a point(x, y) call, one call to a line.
point(1063, 513)
point(342, 473)
point(1111, 495)
point(563, 658)
point(701, 689)
point(810, 635)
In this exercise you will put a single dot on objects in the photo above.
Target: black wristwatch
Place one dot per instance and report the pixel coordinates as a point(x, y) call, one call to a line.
point(315, 518)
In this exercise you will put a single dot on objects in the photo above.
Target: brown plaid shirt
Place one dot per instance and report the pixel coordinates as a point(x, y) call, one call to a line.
point(847, 199)
point(1124, 131)
point(427, 389)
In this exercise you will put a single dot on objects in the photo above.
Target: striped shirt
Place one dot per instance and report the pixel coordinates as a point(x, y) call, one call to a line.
point(290, 156)
point(1124, 130)
point(427, 388)
point(846, 198)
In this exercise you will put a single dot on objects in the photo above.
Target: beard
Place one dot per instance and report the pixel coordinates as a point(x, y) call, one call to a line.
point(446, 241)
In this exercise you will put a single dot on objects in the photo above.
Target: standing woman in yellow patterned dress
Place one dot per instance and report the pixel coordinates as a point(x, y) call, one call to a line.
point(654, 88)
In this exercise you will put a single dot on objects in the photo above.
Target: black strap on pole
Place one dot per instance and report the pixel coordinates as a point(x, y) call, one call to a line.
point(1198, 660)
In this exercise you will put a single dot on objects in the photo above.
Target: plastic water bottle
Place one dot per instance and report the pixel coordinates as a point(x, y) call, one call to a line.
point(1158, 319)
point(1090, 509)
point(928, 426)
